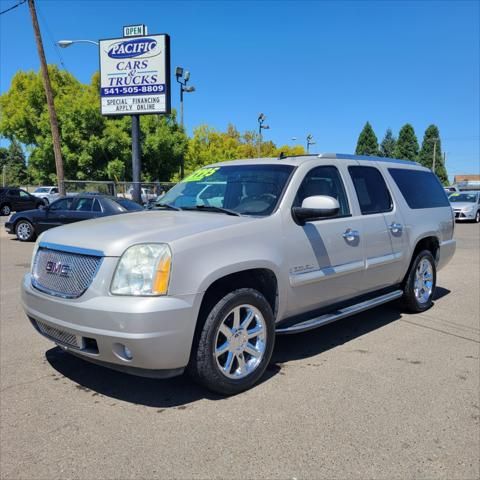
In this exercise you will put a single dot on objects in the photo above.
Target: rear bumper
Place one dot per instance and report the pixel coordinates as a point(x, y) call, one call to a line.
point(446, 252)
point(157, 332)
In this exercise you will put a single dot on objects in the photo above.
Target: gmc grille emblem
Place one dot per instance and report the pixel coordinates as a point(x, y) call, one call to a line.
point(57, 268)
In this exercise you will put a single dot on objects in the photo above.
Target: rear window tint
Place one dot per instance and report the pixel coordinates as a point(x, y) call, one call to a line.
point(420, 189)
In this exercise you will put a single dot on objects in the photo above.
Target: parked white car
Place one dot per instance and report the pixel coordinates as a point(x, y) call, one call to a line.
point(47, 194)
point(147, 194)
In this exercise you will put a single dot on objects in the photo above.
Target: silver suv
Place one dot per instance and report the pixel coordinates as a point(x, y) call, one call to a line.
point(238, 253)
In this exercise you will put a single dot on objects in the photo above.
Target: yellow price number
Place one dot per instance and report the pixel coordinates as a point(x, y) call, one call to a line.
point(200, 174)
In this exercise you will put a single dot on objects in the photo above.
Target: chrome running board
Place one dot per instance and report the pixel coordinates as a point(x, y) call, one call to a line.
point(339, 314)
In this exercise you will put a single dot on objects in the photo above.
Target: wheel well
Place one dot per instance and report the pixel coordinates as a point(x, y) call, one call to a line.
point(428, 243)
point(261, 279)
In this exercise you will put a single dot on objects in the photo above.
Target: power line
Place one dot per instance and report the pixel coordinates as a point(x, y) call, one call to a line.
point(14, 6)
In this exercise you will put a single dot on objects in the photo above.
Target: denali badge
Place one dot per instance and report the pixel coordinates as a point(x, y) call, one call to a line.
point(58, 268)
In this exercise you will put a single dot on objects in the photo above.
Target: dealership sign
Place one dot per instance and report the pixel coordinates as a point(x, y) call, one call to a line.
point(135, 75)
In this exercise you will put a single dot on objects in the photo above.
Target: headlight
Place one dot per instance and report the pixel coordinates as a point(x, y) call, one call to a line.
point(143, 270)
point(35, 250)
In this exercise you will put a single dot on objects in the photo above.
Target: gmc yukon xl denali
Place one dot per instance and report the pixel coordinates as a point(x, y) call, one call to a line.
point(235, 254)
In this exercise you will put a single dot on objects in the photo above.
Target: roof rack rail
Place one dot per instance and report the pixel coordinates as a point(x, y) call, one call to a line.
point(347, 156)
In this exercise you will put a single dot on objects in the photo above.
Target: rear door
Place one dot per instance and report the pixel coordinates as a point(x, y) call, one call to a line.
point(382, 226)
point(82, 209)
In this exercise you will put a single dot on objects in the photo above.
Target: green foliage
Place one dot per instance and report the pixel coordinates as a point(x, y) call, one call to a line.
point(209, 146)
point(367, 143)
point(13, 159)
point(407, 144)
point(425, 157)
point(90, 142)
point(388, 145)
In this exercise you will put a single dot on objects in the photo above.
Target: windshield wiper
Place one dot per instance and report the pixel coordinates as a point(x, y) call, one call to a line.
point(168, 206)
point(211, 208)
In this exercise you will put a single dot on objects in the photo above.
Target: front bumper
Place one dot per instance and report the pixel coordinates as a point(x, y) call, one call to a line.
point(465, 216)
point(156, 331)
point(9, 227)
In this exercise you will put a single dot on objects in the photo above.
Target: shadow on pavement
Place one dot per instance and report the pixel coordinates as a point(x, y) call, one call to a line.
point(182, 390)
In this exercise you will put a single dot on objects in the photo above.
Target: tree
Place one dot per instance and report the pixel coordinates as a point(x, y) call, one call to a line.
point(425, 157)
point(367, 143)
point(387, 147)
point(90, 141)
point(13, 159)
point(407, 144)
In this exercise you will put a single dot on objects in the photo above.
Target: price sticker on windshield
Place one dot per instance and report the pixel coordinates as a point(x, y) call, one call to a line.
point(201, 174)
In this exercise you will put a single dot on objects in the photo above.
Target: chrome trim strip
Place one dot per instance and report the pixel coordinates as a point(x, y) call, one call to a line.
point(327, 272)
point(71, 249)
point(383, 259)
point(347, 156)
point(339, 314)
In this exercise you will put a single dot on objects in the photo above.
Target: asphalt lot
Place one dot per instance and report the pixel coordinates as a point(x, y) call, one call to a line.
point(382, 395)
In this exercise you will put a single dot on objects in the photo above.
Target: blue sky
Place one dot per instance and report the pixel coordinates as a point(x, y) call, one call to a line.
point(320, 67)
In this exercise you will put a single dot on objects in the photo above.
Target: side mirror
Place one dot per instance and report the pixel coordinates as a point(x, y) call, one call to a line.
point(315, 208)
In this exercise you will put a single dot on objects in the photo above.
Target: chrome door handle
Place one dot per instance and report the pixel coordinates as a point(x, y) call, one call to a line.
point(396, 227)
point(350, 235)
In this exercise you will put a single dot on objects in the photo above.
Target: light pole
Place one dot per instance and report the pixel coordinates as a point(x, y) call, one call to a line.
point(261, 126)
point(309, 142)
point(183, 76)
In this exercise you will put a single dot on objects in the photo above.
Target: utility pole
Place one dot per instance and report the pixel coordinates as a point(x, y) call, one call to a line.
point(434, 155)
point(4, 168)
point(51, 106)
point(136, 160)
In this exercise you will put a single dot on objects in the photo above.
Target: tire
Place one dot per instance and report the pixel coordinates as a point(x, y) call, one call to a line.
point(477, 217)
point(5, 210)
point(420, 283)
point(45, 201)
point(233, 368)
point(24, 231)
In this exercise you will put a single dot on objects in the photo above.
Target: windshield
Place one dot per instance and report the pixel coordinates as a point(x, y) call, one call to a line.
point(244, 189)
point(128, 204)
point(463, 197)
point(42, 190)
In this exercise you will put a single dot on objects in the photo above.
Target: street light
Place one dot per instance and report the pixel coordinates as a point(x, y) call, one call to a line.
point(183, 76)
point(309, 142)
point(67, 43)
point(261, 126)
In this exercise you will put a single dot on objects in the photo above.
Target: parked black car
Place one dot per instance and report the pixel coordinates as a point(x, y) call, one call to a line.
point(27, 225)
point(14, 199)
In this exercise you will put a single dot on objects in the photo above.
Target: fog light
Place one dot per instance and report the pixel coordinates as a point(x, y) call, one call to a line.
point(128, 353)
point(122, 352)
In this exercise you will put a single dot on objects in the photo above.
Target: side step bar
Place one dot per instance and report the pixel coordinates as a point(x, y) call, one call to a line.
point(339, 314)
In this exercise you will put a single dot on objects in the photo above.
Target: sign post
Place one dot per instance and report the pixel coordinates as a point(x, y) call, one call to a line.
point(135, 80)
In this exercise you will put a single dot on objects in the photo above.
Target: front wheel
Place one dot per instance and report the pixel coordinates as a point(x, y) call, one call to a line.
point(25, 231)
point(235, 344)
point(420, 283)
point(477, 217)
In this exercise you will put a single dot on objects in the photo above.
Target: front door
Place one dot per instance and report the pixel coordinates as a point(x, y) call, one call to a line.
point(56, 214)
point(326, 257)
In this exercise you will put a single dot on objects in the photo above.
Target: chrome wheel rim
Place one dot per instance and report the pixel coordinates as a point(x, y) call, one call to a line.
point(24, 230)
point(240, 342)
point(423, 285)
point(477, 217)
point(5, 210)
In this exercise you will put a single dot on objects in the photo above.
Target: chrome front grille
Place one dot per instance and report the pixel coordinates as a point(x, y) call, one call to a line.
point(60, 336)
point(63, 273)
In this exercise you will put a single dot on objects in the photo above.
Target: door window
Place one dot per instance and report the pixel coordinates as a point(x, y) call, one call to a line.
point(324, 180)
point(63, 204)
point(14, 193)
point(84, 205)
point(24, 194)
point(372, 192)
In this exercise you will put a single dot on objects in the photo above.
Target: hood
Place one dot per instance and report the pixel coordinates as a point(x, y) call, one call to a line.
point(462, 205)
point(114, 234)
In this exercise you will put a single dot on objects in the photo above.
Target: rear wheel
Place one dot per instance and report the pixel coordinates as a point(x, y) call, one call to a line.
point(25, 231)
point(45, 201)
point(420, 283)
point(5, 210)
point(236, 343)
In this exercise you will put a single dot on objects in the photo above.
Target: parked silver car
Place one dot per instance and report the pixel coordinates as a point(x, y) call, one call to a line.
point(284, 246)
point(47, 194)
point(466, 206)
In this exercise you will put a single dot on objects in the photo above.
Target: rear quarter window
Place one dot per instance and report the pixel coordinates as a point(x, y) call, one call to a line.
point(420, 189)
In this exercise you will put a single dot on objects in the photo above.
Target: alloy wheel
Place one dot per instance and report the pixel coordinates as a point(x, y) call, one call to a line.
point(240, 342)
point(423, 285)
point(24, 230)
